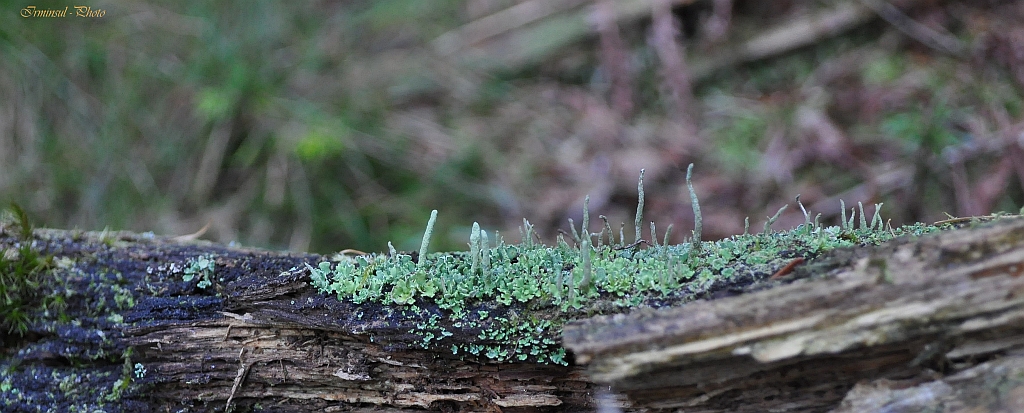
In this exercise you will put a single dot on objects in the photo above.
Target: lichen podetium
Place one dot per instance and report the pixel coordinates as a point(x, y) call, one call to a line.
point(541, 287)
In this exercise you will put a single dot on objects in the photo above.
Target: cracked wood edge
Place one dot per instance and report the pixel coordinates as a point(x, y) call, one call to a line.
point(954, 296)
point(301, 363)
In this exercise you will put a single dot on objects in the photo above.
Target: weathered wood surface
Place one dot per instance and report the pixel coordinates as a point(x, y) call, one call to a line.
point(906, 326)
point(933, 321)
point(260, 337)
point(287, 344)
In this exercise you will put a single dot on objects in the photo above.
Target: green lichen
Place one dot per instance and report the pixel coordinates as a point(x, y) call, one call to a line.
point(426, 235)
point(697, 218)
point(559, 283)
point(202, 267)
point(124, 383)
point(38, 291)
point(640, 204)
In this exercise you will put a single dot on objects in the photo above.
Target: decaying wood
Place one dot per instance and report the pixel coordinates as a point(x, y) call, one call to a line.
point(308, 367)
point(904, 321)
point(994, 386)
point(260, 336)
point(933, 320)
point(278, 340)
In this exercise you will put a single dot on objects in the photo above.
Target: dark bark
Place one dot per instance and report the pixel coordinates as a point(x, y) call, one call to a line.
point(259, 336)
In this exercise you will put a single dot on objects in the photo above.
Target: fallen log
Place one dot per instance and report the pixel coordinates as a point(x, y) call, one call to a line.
point(933, 323)
point(137, 333)
point(117, 321)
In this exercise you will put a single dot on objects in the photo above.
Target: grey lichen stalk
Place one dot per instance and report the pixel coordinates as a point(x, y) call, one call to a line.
point(543, 287)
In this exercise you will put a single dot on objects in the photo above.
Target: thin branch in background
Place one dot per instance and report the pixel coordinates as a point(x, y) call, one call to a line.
point(990, 188)
point(502, 22)
point(717, 27)
point(1013, 138)
point(965, 204)
point(874, 186)
point(210, 164)
point(943, 42)
point(227, 214)
point(824, 138)
point(1016, 151)
point(670, 53)
point(614, 58)
point(302, 197)
point(980, 199)
point(1013, 58)
point(1000, 148)
point(779, 161)
point(785, 37)
point(193, 236)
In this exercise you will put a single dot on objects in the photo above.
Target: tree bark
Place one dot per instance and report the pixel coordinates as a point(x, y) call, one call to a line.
point(934, 323)
point(258, 337)
point(935, 320)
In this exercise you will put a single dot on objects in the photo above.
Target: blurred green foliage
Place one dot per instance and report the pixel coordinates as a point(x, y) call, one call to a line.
point(329, 125)
point(155, 115)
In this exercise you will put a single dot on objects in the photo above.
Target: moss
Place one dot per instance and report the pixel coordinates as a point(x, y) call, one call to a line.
point(44, 279)
point(23, 223)
point(21, 272)
point(64, 390)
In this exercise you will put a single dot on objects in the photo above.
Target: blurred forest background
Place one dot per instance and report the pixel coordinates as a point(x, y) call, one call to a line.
point(324, 125)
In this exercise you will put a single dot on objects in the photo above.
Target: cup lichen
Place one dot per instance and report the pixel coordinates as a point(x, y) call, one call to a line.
point(426, 238)
point(489, 289)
